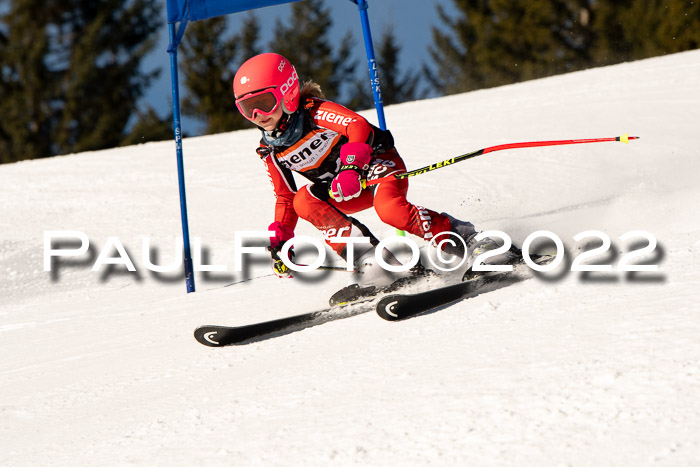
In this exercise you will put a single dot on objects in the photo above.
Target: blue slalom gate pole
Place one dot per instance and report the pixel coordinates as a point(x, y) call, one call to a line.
point(371, 62)
point(177, 130)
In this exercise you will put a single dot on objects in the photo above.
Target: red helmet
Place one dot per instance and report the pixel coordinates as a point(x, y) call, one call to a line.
point(262, 78)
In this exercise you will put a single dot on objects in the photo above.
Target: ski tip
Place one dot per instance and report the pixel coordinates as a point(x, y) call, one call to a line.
point(386, 308)
point(207, 335)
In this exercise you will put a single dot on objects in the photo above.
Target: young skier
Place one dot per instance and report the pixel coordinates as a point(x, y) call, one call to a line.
point(335, 148)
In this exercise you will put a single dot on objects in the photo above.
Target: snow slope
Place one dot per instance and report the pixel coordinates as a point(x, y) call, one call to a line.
point(100, 368)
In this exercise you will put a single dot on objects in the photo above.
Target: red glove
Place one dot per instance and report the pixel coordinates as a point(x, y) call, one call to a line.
point(355, 158)
point(282, 234)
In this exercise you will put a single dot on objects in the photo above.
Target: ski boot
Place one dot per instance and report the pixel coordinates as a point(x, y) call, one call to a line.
point(371, 279)
point(475, 248)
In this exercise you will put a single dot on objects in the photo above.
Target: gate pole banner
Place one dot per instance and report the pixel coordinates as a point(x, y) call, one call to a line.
point(194, 10)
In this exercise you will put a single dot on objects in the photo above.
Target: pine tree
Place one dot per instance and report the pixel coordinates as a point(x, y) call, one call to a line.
point(102, 80)
point(149, 126)
point(634, 29)
point(496, 42)
point(71, 73)
point(304, 39)
point(681, 30)
point(210, 60)
point(535, 39)
point(396, 87)
point(27, 85)
point(455, 48)
point(614, 40)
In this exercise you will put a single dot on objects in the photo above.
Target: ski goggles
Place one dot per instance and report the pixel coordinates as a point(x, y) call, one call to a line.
point(264, 102)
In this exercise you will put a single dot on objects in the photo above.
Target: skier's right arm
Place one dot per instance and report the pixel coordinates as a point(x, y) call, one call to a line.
point(286, 218)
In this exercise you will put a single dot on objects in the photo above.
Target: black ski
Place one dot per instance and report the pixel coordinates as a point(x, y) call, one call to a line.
point(390, 307)
point(219, 336)
point(400, 306)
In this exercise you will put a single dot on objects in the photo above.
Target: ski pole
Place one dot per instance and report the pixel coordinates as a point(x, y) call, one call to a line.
point(276, 258)
point(331, 268)
point(320, 268)
point(532, 144)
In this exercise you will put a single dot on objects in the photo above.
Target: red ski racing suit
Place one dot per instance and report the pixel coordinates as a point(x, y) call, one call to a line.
point(316, 155)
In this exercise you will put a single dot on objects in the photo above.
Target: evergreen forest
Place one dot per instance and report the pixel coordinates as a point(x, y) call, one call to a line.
point(73, 74)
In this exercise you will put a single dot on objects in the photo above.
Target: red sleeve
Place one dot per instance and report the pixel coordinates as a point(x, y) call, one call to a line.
point(284, 188)
point(342, 120)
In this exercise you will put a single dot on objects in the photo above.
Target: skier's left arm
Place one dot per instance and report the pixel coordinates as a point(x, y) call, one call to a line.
point(355, 155)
